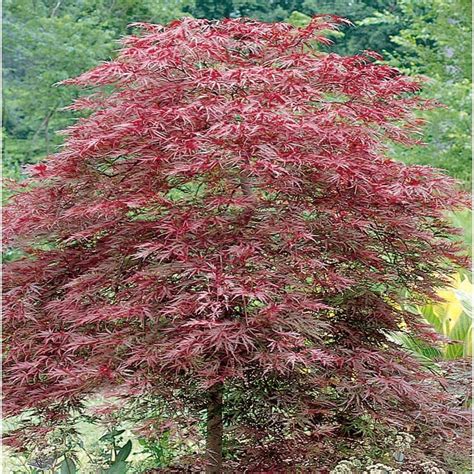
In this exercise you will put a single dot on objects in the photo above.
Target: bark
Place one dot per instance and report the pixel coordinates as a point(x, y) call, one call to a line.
point(214, 406)
point(246, 186)
point(44, 123)
point(214, 430)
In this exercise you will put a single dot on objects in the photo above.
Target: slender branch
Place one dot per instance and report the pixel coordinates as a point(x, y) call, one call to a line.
point(45, 122)
point(55, 9)
point(246, 185)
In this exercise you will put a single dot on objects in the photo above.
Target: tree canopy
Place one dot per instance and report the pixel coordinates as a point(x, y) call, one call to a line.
point(226, 232)
point(46, 41)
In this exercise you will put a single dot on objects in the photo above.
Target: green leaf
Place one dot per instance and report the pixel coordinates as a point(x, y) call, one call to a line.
point(298, 19)
point(117, 468)
point(110, 436)
point(124, 452)
point(425, 354)
point(68, 466)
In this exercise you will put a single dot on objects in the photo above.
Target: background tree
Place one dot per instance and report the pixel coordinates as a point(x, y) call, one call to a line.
point(364, 37)
point(46, 41)
point(354, 40)
point(226, 234)
point(435, 39)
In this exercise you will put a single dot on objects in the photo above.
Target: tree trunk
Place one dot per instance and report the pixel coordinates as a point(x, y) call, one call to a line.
point(214, 404)
point(214, 430)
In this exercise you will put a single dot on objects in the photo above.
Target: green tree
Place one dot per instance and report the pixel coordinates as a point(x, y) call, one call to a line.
point(435, 40)
point(264, 10)
point(355, 39)
point(47, 41)
point(362, 37)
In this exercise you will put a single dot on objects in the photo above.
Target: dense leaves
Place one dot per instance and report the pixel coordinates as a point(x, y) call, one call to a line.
point(435, 39)
point(355, 40)
point(46, 41)
point(228, 215)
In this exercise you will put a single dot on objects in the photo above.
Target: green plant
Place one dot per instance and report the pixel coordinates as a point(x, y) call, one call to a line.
point(463, 220)
point(453, 317)
point(450, 317)
point(434, 39)
point(118, 455)
point(159, 451)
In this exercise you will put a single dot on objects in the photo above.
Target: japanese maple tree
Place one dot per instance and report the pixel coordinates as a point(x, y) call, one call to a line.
point(225, 232)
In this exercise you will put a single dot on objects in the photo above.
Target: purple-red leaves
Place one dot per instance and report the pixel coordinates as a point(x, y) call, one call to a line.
point(227, 214)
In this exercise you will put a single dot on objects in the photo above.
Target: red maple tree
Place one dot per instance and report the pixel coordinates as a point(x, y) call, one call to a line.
point(225, 232)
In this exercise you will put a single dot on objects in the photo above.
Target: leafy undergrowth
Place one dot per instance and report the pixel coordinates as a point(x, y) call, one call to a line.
point(106, 428)
point(90, 447)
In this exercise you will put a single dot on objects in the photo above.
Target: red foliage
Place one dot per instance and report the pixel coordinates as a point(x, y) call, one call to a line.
point(228, 213)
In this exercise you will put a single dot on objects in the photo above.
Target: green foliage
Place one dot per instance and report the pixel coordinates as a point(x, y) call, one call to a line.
point(362, 37)
point(44, 45)
point(355, 39)
point(450, 317)
point(298, 19)
point(46, 41)
point(434, 39)
point(159, 452)
point(463, 220)
point(423, 352)
point(264, 10)
point(453, 318)
point(68, 466)
point(75, 449)
point(301, 20)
